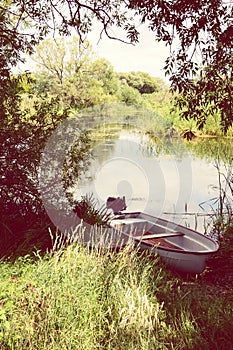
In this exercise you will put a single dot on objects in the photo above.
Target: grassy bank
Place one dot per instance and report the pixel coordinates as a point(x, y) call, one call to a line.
point(80, 299)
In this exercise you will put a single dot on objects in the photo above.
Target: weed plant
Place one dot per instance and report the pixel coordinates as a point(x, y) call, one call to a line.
point(77, 298)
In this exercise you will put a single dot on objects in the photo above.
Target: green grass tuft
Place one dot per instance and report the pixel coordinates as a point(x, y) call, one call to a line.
point(77, 298)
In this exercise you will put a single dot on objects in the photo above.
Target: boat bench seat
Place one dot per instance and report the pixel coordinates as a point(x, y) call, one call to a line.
point(130, 221)
point(158, 235)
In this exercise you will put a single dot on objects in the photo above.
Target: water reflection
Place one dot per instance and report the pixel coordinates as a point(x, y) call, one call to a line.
point(164, 178)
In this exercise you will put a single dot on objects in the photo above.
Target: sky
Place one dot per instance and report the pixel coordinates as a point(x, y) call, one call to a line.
point(147, 55)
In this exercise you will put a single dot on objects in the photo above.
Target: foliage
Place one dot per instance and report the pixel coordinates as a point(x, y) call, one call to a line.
point(214, 149)
point(207, 96)
point(230, 131)
point(224, 200)
point(76, 298)
point(199, 34)
point(188, 129)
point(87, 210)
point(19, 175)
point(97, 84)
point(23, 23)
point(12, 39)
point(62, 57)
point(221, 265)
point(200, 28)
point(142, 81)
point(68, 69)
point(213, 125)
point(130, 96)
point(82, 81)
point(102, 71)
point(23, 137)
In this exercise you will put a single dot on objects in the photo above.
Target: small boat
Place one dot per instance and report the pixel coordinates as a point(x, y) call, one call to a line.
point(181, 248)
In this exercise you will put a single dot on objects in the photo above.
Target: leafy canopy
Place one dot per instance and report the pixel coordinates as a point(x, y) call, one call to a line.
point(200, 36)
point(198, 32)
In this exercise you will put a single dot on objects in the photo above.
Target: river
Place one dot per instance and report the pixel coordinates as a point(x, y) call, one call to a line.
point(172, 180)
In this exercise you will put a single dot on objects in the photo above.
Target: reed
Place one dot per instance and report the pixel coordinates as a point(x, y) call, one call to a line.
point(222, 207)
point(80, 298)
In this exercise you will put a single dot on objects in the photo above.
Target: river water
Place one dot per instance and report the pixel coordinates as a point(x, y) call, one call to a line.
point(170, 181)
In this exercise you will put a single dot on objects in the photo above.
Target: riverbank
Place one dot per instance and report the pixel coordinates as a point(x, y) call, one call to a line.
point(76, 298)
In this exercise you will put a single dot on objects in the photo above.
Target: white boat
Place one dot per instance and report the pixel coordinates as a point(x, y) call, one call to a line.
point(181, 248)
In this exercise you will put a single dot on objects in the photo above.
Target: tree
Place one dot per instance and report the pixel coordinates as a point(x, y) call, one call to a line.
point(209, 94)
point(68, 68)
point(16, 34)
point(142, 81)
point(63, 66)
point(131, 96)
point(198, 32)
point(95, 83)
point(25, 23)
point(21, 143)
point(200, 36)
point(23, 137)
point(62, 57)
point(102, 70)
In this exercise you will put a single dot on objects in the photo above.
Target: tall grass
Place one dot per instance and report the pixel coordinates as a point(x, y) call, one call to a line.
point(221, 206)
point(76, 298)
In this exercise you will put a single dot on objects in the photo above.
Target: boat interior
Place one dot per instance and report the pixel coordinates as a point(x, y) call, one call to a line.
point(158, 235)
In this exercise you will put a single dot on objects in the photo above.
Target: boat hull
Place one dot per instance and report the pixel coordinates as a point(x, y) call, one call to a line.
point(181, 248)
point(187, 263)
